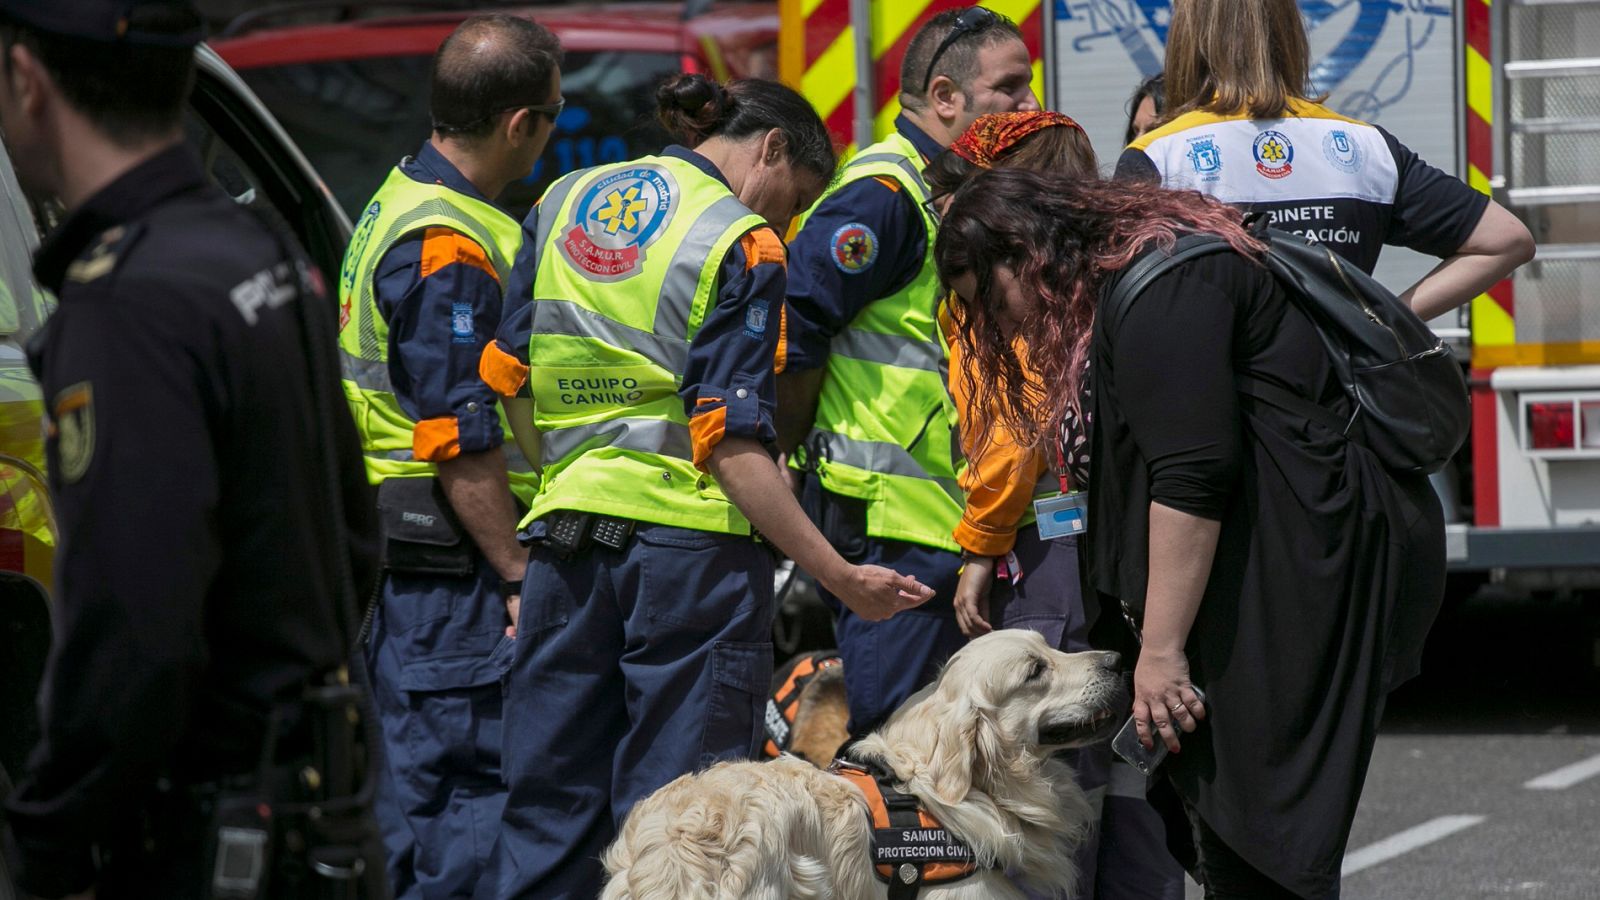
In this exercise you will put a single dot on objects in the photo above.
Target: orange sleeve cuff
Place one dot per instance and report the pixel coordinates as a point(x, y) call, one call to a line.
point(436, 440)
point(446, 246)
point(502, 372)
point(974, 539)
point(706, 429)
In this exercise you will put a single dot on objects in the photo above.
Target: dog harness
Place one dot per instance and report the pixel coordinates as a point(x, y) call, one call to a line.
point(784, 703)
point(910, 848)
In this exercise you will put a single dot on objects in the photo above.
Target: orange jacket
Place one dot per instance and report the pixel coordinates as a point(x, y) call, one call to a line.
point(1000, 475)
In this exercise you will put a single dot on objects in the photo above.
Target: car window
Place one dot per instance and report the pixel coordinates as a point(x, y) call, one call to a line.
point(247, 155)
point(354, 119)
point(225, 169)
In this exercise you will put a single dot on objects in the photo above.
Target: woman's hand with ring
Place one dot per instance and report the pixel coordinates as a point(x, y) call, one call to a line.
point(1164, 701)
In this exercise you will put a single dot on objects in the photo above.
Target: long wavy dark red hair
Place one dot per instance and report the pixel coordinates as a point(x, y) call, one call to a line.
point(1063, 237)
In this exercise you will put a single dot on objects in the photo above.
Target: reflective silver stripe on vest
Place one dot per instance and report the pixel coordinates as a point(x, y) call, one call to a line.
point(676, 299)
point(515, 461)
point(367, 374)
point(396, 455)
point(912, 172)
point(875, 456)
point(566, 318)
point(367, 340)
point(659, 436)
point(890, 350)
point(552, 202)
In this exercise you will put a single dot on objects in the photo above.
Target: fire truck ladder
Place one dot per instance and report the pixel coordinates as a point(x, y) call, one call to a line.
point(1548, 154)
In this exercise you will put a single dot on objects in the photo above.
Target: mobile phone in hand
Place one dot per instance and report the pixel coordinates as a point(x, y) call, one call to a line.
point(1126, 744)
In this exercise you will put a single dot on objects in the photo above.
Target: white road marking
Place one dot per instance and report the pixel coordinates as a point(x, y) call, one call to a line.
point(1566, 776)
point(1405, 842)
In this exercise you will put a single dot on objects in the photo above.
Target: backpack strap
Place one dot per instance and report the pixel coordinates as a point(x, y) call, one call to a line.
point(1273, 395)
point(1151, 265)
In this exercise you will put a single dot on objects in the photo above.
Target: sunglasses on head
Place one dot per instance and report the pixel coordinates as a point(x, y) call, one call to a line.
point(973, 20)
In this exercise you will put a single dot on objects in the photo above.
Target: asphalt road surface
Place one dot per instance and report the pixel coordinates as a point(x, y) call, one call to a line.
point(1486, 778)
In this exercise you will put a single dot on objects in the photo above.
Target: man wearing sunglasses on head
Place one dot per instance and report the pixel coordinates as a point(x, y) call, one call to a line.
point(865, 399)
point(420, 295)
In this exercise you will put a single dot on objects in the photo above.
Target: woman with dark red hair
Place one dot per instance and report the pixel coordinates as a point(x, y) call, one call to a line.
point(1011, 576)
point(1276, 564)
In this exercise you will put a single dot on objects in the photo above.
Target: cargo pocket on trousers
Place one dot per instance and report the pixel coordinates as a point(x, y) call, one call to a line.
point(454, 712)
point(741, 674)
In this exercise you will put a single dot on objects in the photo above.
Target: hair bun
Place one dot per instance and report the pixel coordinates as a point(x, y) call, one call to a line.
point(691, 105)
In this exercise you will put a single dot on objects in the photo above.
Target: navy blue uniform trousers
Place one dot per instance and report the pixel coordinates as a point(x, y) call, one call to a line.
point(631, 668)
point(437, 651)
point(886, 662)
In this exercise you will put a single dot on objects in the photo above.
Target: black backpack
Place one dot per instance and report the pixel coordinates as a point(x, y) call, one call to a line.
point(1406, 389)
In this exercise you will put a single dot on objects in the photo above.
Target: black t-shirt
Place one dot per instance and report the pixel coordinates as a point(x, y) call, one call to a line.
point(197, 577)
point(1328, 568)
point(1349, 184)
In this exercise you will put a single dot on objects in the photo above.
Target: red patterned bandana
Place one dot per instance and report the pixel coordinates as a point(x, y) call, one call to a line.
point(992, 135)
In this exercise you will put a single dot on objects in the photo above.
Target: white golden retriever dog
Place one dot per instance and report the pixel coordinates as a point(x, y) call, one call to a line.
point(975, 748)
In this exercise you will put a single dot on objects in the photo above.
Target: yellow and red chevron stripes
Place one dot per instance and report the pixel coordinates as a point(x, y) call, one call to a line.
point(1493, 329)
point(1493, 323)
point(817, 52)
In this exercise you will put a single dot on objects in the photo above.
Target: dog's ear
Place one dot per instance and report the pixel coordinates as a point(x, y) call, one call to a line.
point(954, 750)
point(969, 751)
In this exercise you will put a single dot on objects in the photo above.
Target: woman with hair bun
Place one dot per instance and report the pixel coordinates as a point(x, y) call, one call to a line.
point(645, 320)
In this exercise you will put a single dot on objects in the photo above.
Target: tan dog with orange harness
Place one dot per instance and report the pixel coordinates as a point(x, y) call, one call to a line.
point(970, 801)
point(807, 713)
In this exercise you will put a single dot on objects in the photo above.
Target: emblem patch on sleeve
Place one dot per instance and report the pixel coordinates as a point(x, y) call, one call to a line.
point(72, 418)
point(855, 248)
point(755, 319)
point(461, 331)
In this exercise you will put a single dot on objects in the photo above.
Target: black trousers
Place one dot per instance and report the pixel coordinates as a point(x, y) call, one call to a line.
point(1225, 874)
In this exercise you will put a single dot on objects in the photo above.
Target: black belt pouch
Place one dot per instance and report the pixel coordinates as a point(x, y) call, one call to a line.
point(421, 533)
point(844, 524)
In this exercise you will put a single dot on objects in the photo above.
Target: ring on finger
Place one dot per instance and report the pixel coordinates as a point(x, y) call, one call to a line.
point(1180, 711)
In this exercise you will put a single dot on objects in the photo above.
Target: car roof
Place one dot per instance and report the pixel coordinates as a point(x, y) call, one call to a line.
point(638, 27)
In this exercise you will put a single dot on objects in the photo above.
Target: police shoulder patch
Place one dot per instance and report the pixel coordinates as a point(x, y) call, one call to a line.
point(72, 426)
point(854, 248)
point(99, 259)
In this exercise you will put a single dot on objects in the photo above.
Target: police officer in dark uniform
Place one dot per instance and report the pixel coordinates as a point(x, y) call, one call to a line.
point(199, 734)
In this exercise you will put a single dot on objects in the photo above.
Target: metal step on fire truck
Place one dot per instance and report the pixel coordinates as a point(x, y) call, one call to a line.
point(1507, 97)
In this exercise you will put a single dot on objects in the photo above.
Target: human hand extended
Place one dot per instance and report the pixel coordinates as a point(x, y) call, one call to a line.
point(972, 596)
point(875, 593)
point(1164, 700)
point(513, 606)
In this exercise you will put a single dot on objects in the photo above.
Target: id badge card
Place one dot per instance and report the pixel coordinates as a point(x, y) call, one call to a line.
point(1063, 515)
